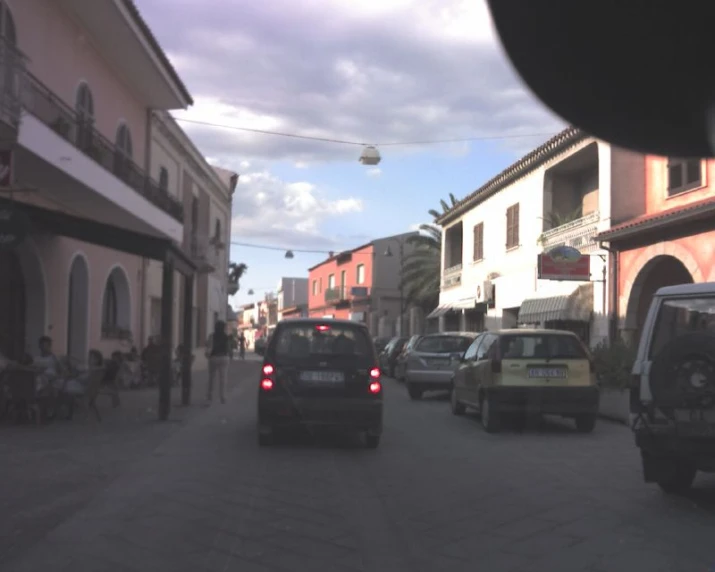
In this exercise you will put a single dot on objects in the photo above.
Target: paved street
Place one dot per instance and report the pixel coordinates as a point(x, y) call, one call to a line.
point(439, 494)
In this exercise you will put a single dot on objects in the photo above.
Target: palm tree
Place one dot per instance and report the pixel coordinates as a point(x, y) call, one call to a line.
point(236, 270)
point(421, 272)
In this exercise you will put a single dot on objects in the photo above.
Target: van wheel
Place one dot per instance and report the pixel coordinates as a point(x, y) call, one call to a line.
point(490, 420)
point(679, 480)
point(415, 393)
point(457, 407)
point(586, 423)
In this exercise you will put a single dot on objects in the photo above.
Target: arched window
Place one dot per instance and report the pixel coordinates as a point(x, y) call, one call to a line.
point(109, 311)
point(8, 36)
point(123, 151)
point(123, 143)
point(7, 25)
point(84, 107)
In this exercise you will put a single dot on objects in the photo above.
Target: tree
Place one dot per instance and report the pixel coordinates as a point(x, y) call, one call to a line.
point(421, 274)
point(236, 270)
point(422, 268)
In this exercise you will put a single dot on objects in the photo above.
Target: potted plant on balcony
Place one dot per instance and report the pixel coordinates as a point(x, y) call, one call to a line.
point(62, 127)
point(236, 270)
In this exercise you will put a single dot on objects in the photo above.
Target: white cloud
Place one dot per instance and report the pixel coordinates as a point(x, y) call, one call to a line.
point(374, 172)
point(268, 209)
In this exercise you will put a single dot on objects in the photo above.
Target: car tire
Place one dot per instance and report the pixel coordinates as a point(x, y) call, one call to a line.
point(586, 423)
point(490, 420)
point(372, 441)
point(414, 392)
point(457, 407)
point(679, 480)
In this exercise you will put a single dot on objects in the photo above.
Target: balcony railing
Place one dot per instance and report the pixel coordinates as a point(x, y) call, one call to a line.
point(452, 276)
point(204, 253)
point(232, 287)
point(578, 233)
point(337, 294)
point(39, 100)
point(12, 82)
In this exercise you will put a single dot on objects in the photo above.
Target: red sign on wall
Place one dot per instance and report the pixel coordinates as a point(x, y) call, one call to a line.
point(552, 268)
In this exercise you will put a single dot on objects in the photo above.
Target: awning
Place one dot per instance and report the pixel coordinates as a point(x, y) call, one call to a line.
point(456, 306)
point(574, 307)
point(440, 310)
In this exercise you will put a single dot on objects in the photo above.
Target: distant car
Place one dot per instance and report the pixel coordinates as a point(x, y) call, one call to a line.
point(259, 346)
point(402, 358)
point(320, 374)
point(430, 363)
point(525, 371)
point(380, 344)
point(389, 355)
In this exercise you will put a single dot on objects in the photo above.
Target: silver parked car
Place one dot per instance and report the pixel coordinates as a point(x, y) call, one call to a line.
point(431, 362)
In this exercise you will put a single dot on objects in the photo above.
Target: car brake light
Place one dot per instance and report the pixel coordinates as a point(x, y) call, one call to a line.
point(268, 369)
point(375, 387)
point(322, 328)
point(266, 384)
point(375, 373)
point(496, 366)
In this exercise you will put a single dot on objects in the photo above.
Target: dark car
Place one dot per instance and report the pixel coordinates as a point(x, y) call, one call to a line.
point(380, 344)
point(320, 374)
point(388, 356)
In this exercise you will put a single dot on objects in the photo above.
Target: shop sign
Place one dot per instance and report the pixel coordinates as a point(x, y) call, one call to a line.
point(14, 227)
point(564, 263)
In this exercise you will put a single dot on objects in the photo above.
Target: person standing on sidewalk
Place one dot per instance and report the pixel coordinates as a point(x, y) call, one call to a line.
point(242, 345)
point(217, 352)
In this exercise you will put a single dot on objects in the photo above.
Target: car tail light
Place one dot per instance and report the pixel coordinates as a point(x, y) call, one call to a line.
point(267, 382)
point(375, 387)
point(322, 328)
point(375, 373)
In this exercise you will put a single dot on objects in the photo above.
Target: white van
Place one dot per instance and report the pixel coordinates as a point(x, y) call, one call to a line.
point(673, 392)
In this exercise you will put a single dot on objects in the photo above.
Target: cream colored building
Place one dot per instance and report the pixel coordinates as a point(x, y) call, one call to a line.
point(206, 194)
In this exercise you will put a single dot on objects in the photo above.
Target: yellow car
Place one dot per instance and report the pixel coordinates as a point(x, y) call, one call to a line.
point(520, 372)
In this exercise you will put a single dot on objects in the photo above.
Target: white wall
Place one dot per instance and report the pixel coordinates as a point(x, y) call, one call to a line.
point(517, 267)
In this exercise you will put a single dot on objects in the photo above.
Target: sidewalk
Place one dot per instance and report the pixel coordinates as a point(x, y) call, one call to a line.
point(51, 471)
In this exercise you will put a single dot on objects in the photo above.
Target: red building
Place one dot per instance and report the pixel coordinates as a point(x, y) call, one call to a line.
point(362, 284)
point(662, 236)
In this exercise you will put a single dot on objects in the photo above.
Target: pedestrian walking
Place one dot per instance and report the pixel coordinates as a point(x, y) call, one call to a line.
point(242, 345)
point(217, 352)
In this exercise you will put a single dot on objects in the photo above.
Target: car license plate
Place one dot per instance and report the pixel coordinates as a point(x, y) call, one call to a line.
point(547, 372)
point(322, 376)
point(436, 363)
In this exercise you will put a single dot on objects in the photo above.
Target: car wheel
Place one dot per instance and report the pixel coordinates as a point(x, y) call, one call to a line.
point(457, 407)
point(586, 423)
point(372, 441)
point(490, 419)
point(414, 392)
point(679, 480)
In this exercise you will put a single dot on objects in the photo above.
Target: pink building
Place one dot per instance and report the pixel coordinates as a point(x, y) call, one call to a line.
point(78, 214)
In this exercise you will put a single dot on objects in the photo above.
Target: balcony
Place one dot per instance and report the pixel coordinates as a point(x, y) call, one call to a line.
point(452, 276)
point(49, 109)
point(335, 295)
point(578, 233)
point(205, 254)
point(12, 81)
point(232, 287)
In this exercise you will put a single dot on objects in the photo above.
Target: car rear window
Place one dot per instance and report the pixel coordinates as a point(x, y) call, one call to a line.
point(302, 341)
point(680, 316)
point(546, 346)
point(443, 344)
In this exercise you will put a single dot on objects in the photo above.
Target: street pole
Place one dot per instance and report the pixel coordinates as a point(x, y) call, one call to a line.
point(402, 289)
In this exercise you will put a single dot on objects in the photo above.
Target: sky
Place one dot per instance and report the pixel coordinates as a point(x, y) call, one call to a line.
point(370, 72)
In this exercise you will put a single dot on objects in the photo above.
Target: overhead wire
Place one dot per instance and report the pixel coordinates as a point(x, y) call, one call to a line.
point(360, 143)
